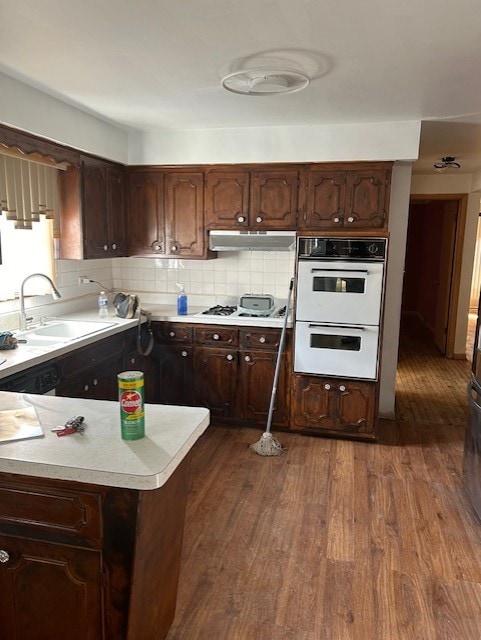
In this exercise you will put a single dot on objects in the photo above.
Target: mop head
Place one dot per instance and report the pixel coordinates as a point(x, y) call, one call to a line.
point(268, 446)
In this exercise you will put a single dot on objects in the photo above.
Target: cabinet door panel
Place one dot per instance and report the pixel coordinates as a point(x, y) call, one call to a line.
point(184, 214)
point(325, 200)
point(50, 591)
point(227, 200)
point(366, 201)
point(173, 372)
point(257, 370)
point(274, 199)
point(215, 380)
point(94, 208)
point(117, 209)
point(145, 219)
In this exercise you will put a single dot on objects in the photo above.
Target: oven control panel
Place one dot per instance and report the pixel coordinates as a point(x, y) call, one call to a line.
point(361, 249)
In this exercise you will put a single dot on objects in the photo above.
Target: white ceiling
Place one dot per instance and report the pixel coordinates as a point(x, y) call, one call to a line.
point(157, 64)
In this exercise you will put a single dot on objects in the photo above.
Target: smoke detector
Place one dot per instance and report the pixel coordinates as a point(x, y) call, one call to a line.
point(265, 82)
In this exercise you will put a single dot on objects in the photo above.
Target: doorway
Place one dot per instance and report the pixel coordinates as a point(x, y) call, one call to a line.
point(431, 379)
point(432, 268)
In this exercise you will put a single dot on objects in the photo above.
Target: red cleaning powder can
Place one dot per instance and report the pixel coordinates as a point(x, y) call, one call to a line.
point(131, 399)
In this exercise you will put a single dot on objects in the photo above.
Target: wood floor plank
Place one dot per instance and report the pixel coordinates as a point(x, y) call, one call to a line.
point(336, 540)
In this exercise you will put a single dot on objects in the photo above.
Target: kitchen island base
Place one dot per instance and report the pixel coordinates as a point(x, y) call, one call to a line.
point(89, 562)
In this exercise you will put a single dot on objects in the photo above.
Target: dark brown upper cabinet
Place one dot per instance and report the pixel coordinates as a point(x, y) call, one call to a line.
point(252, 199)
point(345, 199)
point(92, 210)
point(166, 213)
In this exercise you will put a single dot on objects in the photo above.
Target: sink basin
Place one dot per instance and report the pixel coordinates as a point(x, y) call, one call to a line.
point(58, 332)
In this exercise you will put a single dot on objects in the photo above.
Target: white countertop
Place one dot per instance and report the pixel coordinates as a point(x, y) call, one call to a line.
point(100, 456)
point(25, 356)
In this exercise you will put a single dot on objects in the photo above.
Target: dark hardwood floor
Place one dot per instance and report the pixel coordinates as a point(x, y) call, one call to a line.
point(335, 540)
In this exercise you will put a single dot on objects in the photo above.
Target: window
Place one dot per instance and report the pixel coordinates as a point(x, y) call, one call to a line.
point(28, 201)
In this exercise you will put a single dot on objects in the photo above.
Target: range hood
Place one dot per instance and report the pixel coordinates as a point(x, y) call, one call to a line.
point(252, 240)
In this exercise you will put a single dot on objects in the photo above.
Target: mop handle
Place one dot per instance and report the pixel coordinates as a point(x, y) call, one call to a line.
point(279, 357)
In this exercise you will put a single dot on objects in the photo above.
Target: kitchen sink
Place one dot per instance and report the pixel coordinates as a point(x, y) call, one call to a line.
point(57, 332)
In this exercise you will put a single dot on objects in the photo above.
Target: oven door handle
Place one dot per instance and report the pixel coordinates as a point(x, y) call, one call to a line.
point(315, 270)
point(312, 325)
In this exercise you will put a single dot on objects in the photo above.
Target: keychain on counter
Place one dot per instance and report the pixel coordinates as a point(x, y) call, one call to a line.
point(74, 425)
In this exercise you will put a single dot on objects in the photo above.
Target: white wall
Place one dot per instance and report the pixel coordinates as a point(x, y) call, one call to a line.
point(323, 143)
point(34, 111)
point(398, 222)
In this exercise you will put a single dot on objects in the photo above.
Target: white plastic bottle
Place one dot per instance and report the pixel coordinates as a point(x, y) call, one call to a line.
point(103, 305)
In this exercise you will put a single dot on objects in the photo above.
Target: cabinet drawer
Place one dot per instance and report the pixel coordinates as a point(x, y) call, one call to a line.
point(260, 338)
point(216, 336)
point(171, 332)
point(41, 512)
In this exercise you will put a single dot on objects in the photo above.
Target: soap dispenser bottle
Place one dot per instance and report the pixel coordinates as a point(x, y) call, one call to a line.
point(181, 301)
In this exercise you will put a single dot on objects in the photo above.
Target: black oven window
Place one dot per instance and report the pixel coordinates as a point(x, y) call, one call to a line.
point(339, 285)
point(338, 342)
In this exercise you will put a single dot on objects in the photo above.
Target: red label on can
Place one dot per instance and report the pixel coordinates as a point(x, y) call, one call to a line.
point(131, 401)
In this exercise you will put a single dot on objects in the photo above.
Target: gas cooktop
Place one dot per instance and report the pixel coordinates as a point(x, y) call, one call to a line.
point(233, 311)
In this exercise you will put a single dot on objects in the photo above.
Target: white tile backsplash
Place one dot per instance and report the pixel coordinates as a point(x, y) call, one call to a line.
point(231, 274)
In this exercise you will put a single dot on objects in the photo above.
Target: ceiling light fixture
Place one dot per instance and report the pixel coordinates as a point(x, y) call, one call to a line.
point(265, 82)
point(447, 162)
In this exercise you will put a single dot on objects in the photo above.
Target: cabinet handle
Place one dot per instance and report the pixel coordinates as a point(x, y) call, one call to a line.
point(114, 246)
point(132, 360)
point(327, 386)
point(241, 219)
point(172, 334)
point(105, 247)
point(183, 354)
point(95, 382)
point(259, 219)
point(350, 219)
point(174, 248)
point(262, 339)
point(342, 387)
point(247, 358)
point(4, 556)
point(337, 219)
point(156, 246)
point(216, 336)
point(86, 387)
point(230, 357)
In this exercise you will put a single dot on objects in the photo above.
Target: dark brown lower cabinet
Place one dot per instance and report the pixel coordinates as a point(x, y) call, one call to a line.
point(173, 374)
point(50, 591)
point(229, 370)
point(87, 562)
point(331, 406)
point(215, 380)
point(257, 370)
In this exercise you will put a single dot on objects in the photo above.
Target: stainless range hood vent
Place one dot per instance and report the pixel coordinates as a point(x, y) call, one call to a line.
point(252, 240)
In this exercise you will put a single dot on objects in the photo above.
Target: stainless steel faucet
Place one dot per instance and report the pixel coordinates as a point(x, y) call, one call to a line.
point(55, 293)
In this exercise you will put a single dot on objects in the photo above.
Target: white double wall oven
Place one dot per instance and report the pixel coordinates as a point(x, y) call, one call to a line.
point(339, 293)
